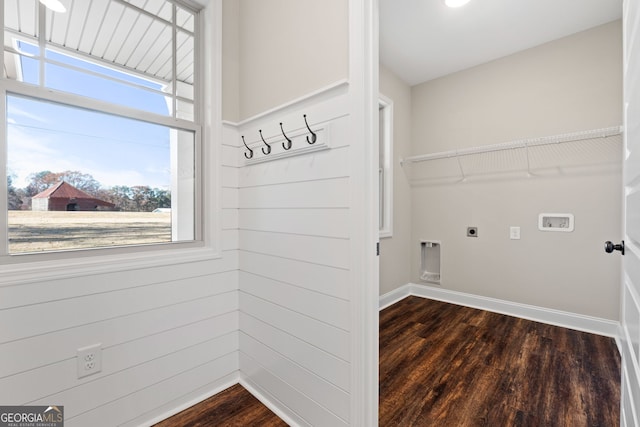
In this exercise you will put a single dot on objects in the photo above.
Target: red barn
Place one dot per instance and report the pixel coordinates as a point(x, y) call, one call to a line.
point(66, 197)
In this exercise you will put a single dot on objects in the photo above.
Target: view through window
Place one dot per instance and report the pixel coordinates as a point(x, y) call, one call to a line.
point(101, 131)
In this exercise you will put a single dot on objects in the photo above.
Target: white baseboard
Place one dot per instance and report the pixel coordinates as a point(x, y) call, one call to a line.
point(218, 387)
point(237, 379)
point(394, 296)
point(564, 319)
point(268, 402)
point(618, 337)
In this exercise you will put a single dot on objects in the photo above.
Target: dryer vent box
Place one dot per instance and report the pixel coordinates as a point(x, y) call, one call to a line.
point(555, 222)
point(430, 261)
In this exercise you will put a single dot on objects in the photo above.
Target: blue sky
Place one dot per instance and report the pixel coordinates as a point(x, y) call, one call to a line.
point(116, 151)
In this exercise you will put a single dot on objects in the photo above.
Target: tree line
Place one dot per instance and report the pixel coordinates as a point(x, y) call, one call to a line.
point(138, 198)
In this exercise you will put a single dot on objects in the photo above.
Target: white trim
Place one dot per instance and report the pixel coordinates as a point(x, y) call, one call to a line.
point(59, 265)
point(364, 262)
point(326, 91)
point(333, 106)
point(191, 402)
point(237, 378)
point(386, 105)
point(626, 396)
point(618, 337)
point(276, 409)
point(72, 100)
point(322, 106)
point(231, 123)
point(630, 370)
point(394, 296)
point(4, 154)
point(565, 319)
point(211, 140)
point(627, 341)
point(29, 272)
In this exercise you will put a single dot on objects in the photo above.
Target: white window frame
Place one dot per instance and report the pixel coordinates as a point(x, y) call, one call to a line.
point(385, 172)
point(23, 268)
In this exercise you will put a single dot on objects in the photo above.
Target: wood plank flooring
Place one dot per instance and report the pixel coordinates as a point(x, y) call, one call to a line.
point(234, 407)
point(445, 365)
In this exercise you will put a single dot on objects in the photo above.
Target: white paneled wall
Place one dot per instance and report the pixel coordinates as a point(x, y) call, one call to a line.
point(294, 269)
point(272, 312)
point(163, 336)
point(169, 334)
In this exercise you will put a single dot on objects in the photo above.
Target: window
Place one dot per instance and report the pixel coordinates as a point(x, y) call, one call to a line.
point(385, 167)
point(102, 129)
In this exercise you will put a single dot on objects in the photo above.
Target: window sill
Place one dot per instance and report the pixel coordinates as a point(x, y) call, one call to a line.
point(69, 266)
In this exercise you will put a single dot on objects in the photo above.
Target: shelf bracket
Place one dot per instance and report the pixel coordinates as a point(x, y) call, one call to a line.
point(464, 177)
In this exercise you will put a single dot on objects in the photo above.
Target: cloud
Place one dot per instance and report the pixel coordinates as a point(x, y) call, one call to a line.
point(17, 112)
point(129, 178)
point(28, 154)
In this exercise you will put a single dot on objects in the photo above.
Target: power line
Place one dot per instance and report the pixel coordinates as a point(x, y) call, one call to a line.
point(106, 138)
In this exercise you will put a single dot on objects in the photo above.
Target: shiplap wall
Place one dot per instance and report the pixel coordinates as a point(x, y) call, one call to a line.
point(169, 334)
point(294, 270)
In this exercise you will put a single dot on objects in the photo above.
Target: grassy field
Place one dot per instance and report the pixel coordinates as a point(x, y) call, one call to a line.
point(51, 231)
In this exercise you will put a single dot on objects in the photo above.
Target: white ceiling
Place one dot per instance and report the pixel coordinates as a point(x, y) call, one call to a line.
point(421, 40)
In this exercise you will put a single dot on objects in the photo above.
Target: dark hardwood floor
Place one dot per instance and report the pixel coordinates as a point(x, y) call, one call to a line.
point(234, 407)
point(445, 365)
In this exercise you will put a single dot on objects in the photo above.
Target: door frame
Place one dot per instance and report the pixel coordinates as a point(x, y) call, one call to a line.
point(363, 93)
point(629, 298)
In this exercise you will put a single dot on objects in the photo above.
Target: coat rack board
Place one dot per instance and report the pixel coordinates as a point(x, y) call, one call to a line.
point(265, 148)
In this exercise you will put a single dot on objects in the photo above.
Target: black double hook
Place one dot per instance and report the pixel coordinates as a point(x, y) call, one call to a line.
point(314, 137)
point(250, 154)
point(265, 143)
point(285, 145)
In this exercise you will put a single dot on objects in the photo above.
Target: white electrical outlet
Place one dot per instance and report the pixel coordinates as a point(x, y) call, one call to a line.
point(514, 233)
point(89, 360)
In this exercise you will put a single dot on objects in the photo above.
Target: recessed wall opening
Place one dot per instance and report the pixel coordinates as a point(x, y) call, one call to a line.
point(430, 261)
